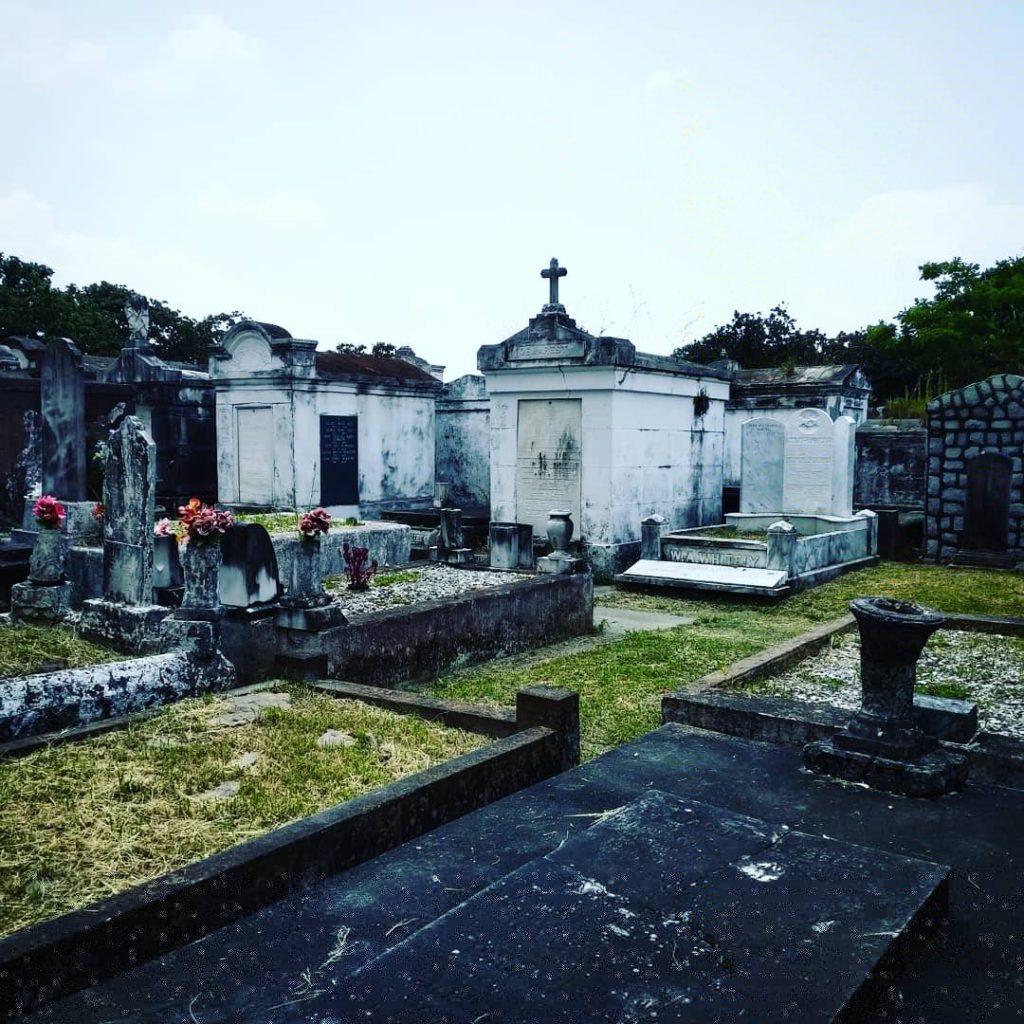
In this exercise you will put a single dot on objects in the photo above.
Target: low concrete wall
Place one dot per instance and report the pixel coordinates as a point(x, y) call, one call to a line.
point(58, 700)
point(389, 544)
point(403, 645)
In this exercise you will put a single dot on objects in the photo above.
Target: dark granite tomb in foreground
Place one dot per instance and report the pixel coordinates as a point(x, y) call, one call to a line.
point(648, 880)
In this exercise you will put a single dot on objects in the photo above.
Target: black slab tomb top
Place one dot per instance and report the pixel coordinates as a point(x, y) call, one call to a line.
point(645, 881)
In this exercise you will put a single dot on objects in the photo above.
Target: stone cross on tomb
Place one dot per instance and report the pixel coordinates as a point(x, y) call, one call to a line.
point(553, 273)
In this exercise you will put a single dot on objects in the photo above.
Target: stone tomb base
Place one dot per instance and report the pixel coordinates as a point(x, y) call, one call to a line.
point(40, 605)
point(931, 775)
point(135, 629)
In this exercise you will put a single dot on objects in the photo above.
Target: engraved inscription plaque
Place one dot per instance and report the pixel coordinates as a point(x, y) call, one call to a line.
point(549, 460)
point(807, 472)
point(339, 460)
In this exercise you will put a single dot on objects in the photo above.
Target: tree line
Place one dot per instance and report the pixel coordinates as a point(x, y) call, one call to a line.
point(971, 328)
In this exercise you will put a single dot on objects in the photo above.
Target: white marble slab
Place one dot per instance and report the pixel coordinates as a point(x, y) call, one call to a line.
point(726, 576)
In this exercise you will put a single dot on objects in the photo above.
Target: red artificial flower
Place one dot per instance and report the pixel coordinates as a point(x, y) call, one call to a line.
point(99, 510)
point(49, 511)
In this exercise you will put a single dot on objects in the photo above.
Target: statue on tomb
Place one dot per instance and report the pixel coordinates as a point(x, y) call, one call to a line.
point(136, 309)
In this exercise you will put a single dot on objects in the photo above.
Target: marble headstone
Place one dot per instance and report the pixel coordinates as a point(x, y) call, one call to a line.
point(248, 572)
point(129, 493)
point(62, 405)
point(844, 445)
point(809, 464)
point(762, 454)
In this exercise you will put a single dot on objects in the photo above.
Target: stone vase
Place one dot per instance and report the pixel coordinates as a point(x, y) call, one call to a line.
point(892, 636)
point(202, 574)
point(46, 564)
point(559, 530)
point(305, 586)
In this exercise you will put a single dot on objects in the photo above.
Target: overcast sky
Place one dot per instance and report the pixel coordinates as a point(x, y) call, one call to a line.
point(402, 172)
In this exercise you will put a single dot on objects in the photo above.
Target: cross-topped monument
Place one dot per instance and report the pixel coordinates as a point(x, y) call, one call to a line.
point(553, 273)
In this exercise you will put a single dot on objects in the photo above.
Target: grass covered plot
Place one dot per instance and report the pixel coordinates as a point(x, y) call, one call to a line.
point(25, 650)
point(86, 820)
point(621, 683)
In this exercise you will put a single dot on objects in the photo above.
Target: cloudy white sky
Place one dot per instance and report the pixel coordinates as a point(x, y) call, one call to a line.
point(393, 171)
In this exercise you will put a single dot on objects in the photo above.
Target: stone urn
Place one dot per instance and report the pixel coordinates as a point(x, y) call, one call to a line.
point(46, 564)
point(201, 565)
point(305, 584)
point(559, 530)
point(892, 636)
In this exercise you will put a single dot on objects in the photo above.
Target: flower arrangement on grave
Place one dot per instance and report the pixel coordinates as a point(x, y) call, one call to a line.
point(99, 511)
point(204, 523)
point(169, 528)
point(49, 512)
point(357, 571)
point(314, 523)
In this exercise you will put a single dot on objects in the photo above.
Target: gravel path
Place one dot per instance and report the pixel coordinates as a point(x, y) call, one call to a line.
point(986, 669)
point(428, 583)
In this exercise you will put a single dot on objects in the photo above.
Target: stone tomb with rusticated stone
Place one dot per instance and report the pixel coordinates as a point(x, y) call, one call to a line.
point(974, 511)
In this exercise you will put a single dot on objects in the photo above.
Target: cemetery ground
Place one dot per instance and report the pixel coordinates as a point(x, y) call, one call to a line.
point(84, 820)
point(621, 683)
point(25, 650)
point(87, 819)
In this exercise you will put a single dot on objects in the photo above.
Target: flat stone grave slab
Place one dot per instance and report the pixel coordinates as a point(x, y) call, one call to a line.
point(731, 579)
point(610, 893)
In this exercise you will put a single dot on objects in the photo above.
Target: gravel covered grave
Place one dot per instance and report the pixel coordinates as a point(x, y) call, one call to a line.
point(412, 586)
point(986, 669)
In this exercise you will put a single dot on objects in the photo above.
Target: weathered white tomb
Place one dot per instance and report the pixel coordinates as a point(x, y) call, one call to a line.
point(796, 525)
point(775, 393)
point(589, 424)
point(297, 427)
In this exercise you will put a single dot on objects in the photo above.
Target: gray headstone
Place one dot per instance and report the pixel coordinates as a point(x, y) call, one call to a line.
point(807, 477)
point(62, 406)
point(503, 542)
point(248, 571)
point(129, 493)
point(651, 529)
point(762, 451)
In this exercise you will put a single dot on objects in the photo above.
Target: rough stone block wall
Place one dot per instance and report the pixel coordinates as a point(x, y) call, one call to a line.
point(983, 417)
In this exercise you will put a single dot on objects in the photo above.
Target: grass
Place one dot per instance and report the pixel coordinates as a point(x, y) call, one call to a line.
point(621, 683)
point(386, 579)
point(25, 650)
point(285, 522)
point(272, 522)
point(86, 820)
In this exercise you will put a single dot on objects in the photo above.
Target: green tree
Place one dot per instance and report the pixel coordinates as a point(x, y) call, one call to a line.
point(28, 301)
point(971, 328)
point(755, 341)
point(93, 315)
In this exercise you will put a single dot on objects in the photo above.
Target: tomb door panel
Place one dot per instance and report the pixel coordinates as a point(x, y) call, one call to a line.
point(549, 460)
point(254, 428)
point(987, 512)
